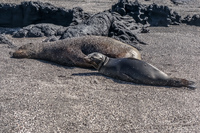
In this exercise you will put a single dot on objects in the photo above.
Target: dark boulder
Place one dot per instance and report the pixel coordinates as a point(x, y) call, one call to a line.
point(192, 20)
point(153, 15)
point(12, 15)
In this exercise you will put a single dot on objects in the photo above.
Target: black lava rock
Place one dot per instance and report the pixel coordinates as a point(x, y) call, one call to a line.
point(12, 15)
point(153, 15)
point(5, 40)
point(194, 20)
point(123, 22)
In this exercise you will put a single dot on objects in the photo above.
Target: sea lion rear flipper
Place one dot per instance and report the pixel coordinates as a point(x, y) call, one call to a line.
point(192, 85)
point(178, 82)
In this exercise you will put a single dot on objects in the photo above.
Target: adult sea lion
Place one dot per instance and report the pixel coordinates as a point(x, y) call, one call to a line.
point(134, 70)
point(71, 52)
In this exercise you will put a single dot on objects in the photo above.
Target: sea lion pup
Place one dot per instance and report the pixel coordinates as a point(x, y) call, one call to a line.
point(71, 52)
point(134, 70)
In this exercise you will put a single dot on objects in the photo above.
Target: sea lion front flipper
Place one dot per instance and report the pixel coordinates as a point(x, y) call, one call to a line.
point(77, 57)
point(126, 77)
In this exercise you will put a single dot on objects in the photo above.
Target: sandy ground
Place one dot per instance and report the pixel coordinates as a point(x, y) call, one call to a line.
point(43, 97)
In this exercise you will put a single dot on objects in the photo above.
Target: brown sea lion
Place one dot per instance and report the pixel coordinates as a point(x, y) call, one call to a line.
point(71, 52)
point(134, 70)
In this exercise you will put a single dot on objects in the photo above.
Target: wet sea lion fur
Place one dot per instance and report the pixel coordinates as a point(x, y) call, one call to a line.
point(134, 70)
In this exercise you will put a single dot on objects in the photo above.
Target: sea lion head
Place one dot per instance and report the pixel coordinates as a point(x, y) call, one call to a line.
point(25, 51)
point(96, 59)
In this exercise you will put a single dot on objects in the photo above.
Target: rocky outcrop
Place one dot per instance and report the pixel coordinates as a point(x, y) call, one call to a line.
point(12, 15)
point(123, 21)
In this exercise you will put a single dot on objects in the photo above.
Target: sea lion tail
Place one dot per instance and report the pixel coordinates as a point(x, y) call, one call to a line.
point(178, 82)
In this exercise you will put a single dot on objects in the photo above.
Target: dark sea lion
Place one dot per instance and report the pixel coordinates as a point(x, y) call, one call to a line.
point(71, 52)
point(134, 70)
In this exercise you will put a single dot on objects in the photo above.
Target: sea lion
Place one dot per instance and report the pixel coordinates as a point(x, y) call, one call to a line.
point(134, 70)
point(71, 52)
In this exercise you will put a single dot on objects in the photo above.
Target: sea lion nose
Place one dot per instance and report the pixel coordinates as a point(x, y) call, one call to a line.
point(18, 54)
point(11, 53)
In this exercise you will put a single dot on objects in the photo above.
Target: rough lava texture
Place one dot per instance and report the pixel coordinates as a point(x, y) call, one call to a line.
point(12, 15)
point(98, 24)
point(5, 40)
point(123, 22)
point(194, 20)
point(40, 30)
point(125, 29)
point(177, 2)
point(153, 15)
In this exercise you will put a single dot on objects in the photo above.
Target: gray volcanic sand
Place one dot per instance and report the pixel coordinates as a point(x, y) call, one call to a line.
point(39, 96)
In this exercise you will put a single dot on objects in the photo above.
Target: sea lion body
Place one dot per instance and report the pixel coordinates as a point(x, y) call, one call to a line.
point(134, 70)
point(71, 52)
